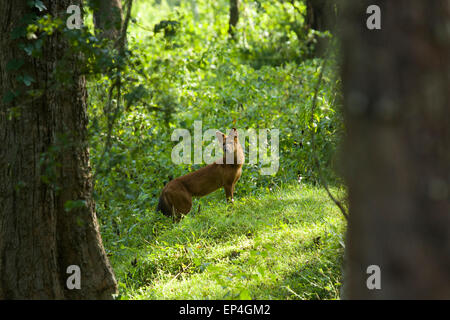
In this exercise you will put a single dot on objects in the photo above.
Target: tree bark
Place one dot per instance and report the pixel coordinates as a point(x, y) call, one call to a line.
point(320, 16)
point(234, 18)
point(397, 161)
point(108, 18)
point(44, 163)
point(315, 14)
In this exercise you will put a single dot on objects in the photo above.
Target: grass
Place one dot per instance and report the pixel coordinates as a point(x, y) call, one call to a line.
point(281, 244)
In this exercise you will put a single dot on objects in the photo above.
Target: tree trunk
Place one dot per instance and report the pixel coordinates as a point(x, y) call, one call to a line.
point(315, 14)
point(320, 16)
point(397, 160)
point(108, 18)
point(234, 18)
point(44, 164)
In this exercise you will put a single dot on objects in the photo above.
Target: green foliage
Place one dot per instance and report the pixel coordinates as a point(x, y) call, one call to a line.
point(197, 74)
point(180, 67)
point(283, 244)
point(282, 239)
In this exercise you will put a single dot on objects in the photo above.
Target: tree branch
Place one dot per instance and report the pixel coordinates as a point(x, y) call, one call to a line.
point(316, 158)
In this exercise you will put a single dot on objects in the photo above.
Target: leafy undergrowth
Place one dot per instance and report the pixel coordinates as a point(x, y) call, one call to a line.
point(282, 244)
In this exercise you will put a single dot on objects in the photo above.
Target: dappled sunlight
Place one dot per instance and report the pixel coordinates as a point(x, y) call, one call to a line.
point(214, 255)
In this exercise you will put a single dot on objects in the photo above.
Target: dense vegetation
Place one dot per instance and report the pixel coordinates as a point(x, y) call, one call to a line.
point(93, 92)
point(283, 237)
point(284, 244)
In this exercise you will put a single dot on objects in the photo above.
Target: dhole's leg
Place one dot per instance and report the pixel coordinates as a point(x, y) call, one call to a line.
point(232, 193)
point(231, 188)
point(174, 214)
point(181, 201)
point(229, 192)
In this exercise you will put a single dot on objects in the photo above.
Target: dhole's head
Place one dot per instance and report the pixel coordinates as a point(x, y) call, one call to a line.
point(232, 149)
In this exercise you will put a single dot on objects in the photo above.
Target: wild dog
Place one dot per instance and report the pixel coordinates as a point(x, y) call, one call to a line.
point(176, 197)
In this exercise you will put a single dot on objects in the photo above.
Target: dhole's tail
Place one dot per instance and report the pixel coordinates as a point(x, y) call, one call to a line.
point(163, 206)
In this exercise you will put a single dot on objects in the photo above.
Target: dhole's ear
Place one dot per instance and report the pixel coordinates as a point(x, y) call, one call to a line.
point(220, 136)
point(233, 133)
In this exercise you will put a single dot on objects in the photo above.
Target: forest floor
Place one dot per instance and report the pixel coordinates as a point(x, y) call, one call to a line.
point(281, 244)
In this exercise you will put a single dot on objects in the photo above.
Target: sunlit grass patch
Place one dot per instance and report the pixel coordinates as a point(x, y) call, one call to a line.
point(281, 244)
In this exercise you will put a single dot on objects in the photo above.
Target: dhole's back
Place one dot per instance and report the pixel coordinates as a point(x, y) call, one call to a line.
point(176, 196)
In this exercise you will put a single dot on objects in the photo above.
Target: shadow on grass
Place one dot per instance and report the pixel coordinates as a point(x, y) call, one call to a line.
point(317, 278)
point(305, 284)
point(217, 225)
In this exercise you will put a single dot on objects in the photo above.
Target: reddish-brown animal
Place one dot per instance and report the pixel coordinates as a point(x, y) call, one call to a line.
point(176, 197)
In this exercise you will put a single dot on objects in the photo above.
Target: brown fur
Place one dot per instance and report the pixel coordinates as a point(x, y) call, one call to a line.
point(176, 197)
